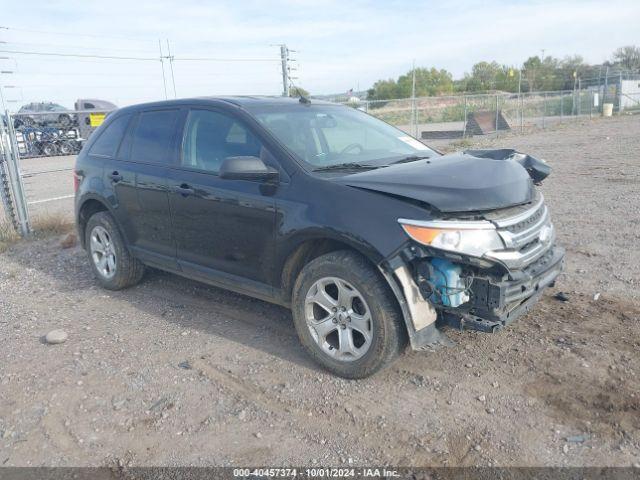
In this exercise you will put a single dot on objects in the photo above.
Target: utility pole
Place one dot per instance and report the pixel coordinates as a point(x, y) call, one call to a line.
point(173, 79)
point(164, 79)
point(284, 58)
point(414, 120)
point(4, 105)
point(604, 90)
point(520, 100)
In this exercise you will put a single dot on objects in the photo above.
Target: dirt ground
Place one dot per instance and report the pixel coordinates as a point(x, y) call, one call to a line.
point(172, 372)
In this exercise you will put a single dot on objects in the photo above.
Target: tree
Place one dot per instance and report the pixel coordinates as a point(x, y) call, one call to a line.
point(483, 76)
point(540, 74)
point(628, 57)
point(429, 81)
point(383, 90)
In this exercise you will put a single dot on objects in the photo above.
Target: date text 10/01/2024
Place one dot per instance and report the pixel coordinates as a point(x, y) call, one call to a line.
point(315, 472)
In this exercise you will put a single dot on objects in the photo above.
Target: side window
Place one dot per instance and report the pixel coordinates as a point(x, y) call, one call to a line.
point(107, 143)
point(153, 136)
point(210, 137)
point(89, 106)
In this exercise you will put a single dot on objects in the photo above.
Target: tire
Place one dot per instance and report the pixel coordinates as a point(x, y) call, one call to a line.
point(123, 270)
point(385, 337)
point(65, 148)
point(64, 120)
point(49, 150)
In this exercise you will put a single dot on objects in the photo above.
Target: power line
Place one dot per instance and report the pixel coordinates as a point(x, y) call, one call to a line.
point(81, 47)
point(79, 55)
point(213, 59)
point(114, 57)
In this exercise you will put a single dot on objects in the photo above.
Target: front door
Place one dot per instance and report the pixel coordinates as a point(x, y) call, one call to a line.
point(223, 228)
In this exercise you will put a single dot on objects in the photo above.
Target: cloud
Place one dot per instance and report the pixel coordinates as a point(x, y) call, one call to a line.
point(340, 44)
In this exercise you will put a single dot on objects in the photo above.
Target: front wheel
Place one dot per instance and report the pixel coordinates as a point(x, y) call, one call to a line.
point(346, 316)
point(112, 264)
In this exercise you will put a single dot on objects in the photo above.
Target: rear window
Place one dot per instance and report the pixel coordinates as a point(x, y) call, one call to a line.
point(153, 137)
point(107, 143)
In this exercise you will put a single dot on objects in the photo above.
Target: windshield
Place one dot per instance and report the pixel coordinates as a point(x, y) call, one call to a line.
point(326, 135)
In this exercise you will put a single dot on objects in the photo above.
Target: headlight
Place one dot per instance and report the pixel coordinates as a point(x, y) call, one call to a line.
point(470, 238)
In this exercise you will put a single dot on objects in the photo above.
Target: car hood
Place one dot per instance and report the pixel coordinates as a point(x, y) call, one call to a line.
point(460, 182)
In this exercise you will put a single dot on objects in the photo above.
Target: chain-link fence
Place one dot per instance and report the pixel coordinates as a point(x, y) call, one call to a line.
point(458, 116)
point(11, 183)
point(39, 146)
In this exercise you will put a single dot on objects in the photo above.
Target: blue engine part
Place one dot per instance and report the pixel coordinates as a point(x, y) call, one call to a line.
point(449, 288)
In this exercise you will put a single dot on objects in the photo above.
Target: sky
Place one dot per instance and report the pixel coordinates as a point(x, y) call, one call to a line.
point(338, 45)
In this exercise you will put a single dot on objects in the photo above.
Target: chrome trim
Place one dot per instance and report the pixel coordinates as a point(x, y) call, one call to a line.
point(514, 240)
point(516, 259)
point(507, 222)
point(449, 225)
point(512, 256)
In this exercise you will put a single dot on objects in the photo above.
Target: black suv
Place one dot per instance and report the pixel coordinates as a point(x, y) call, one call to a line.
point(370, 237)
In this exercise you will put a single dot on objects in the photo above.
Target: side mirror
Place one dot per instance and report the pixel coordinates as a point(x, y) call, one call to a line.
point(247, 168)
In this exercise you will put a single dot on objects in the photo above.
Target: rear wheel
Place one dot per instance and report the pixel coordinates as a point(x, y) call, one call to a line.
point(346, 316)
point(112, 264)
point(49, 150)
point(65, 148)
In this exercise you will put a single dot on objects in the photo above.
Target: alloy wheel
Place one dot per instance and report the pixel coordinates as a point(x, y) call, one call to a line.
point(103, 252)
point(338, 319)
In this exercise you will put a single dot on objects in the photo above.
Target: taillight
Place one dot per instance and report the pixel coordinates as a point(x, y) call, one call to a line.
point(76, 181)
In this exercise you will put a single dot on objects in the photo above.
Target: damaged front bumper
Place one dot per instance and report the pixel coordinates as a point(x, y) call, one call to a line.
point(497, 296)
point(492, 290)
point(495, 303)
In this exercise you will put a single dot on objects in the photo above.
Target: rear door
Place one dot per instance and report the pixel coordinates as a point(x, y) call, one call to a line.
point(149, 150)
point(223, 228)
point(118, 180)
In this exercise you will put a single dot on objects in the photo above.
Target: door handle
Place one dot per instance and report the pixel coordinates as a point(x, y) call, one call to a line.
point(184, 189)
point(115, 177)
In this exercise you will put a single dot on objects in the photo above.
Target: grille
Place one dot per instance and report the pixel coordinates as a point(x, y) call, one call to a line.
point(528, 222)
point(521, 235)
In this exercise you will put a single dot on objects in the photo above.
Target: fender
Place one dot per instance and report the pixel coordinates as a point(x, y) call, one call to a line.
point(91, 196)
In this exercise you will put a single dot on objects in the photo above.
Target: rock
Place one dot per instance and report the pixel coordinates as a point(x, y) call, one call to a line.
point(69, 241)
point(482, 398)
point(185, 365)
point(596, 297)
point(242, 415)
point(468, 365)
point(477, 448)
point(561, 296)
point(258, 435)
point(565, 448)
point(55, 337)
point(491, 410)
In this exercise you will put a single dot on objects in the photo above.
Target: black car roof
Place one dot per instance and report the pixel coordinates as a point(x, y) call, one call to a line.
point(239, 101)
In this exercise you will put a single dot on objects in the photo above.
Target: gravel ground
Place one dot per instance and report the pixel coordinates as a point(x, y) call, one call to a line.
point(172, 372)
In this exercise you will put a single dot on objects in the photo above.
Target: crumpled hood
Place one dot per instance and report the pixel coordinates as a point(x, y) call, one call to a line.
point(459, 182)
